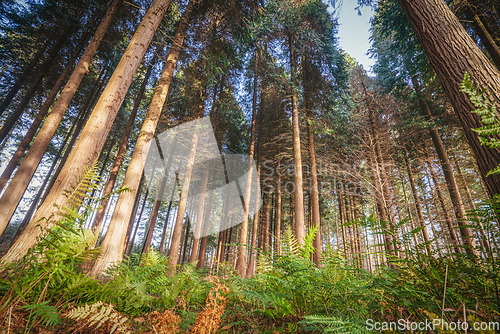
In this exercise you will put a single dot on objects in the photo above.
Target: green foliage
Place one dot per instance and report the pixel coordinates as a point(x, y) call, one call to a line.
point(487, 110)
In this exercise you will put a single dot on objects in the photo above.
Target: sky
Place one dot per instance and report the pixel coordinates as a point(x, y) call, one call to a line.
point(354, 32)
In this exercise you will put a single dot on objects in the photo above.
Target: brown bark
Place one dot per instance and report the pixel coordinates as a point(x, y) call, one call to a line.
point(20, 181)
point(96, 226)
point(241, 262)
point(300, 228)
point(314, 193)
point(446, 42)
point(167, 218)
point(340, 201)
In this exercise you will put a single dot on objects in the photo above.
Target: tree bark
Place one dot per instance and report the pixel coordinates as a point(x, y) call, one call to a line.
point(446, 42)
point(300, 228)
point(20, 181)
point(96, 226)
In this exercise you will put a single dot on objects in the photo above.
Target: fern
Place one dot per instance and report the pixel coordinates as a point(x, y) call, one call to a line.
point(487, 110)
point(337, 325)
point(48, 314)
point(96, 316)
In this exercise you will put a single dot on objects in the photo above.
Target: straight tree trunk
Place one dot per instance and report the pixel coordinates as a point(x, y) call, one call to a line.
point(255, 227)
point(300, 228)
point(203, 246)
point(314, 192)
point(96, 226)
point(278, 213)
point(167, 218)
point(199, 217)
point(241, 262)
point(20, 181)
point(446, 42)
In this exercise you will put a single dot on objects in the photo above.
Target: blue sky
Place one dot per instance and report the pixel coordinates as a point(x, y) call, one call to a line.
point(354, 32)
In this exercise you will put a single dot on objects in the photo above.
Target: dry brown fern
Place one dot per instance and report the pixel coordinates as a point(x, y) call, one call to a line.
point(164, 323)
point(99, 318)
point(209, 319)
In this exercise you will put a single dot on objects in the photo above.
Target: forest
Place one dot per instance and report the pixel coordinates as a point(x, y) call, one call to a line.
point(224, 166)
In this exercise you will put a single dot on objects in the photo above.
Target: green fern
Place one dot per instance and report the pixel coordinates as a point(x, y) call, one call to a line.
point(47, 313)
point(487, 110)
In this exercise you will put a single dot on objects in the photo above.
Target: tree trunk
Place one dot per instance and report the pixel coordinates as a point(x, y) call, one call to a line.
point(165, 225)
point(420, 216)
point(199, 216)
point(241, 262)
point(300, 228)
point(278, 213)
point(20, 181)
point(446, 42)
point(314, 193)
point(96, 226)
point(203, 247)
point(255, 225)
point(176, 235)
point(340, 200)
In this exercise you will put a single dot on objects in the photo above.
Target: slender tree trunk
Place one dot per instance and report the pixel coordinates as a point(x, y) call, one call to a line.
point(203, 246)
point(314, 193)
point(131, 243)
point(255, 227)
point(241, 262)
point(134, 213)
point(340, 200)
point(265, 220)
point(300, 228)
point(445, 42)
point(199, 216)
point(278, 212)
point(176, 235)
point(167, 218)
point(421, 220)
point(121, 151)
point(20, 181)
